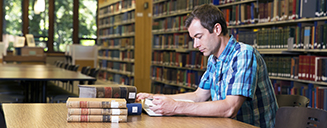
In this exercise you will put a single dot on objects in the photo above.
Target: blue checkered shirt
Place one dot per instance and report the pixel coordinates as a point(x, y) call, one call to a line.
point(240, 70)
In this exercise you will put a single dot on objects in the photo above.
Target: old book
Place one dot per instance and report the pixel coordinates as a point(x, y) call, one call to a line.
point(97, 118)
point(96, 103)
point(96, 111)
point(108, 91)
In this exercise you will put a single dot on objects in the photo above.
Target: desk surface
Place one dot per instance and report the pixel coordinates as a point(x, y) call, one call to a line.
point(55, 115)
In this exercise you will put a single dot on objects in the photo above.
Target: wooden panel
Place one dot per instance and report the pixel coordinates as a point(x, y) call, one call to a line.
point(51, 26)
point(75, 22)
point(148, 46)
point(1, 21)
point(143, 51)
point(84, 63)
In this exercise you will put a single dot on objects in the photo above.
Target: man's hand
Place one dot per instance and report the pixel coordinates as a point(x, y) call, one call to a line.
point(164, 105)
point(141, 96)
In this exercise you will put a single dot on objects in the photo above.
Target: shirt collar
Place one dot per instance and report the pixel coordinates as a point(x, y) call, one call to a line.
point(229, 47)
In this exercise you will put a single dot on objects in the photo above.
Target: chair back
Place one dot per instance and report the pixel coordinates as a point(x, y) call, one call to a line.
point(85, 70)
point(300, 117)
point(91, 72)
point(94, 74)
point(70, 67)
point(60, 65)
point(292, 100)
point(75, 68)
point(65, 66)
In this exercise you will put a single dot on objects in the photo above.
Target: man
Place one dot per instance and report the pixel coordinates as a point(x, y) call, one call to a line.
point(236, 77)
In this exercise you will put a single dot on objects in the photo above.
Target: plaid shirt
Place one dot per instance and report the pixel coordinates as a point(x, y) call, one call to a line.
point(240, 70)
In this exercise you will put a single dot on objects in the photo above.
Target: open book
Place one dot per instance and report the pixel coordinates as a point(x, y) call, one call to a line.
point(148, 103)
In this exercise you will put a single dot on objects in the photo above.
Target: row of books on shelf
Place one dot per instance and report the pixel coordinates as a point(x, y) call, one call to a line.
point(116, 55)
point(127, 68)
point(304, 67)
point(158, 88)
point(189, 78)
point(171, 7)
point(119, 18)
point(119, 30)
point(302, 36)
point(118, 78)
point(193, 59)
point(176, 40)
point(118, 42)
point(169, 24)
point(274, 38)
point(275, 10)
point(316, 94)
point(117, 7)
point(103, 103)
point(222, 2)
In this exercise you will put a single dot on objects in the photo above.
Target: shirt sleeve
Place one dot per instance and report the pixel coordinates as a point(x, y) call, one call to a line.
point(243, 74)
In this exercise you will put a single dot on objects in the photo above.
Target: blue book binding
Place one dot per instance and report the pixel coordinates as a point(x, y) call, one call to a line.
point(134, 108)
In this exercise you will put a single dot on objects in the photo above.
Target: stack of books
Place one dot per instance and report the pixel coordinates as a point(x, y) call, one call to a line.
point(113, 91)
point(96, 110)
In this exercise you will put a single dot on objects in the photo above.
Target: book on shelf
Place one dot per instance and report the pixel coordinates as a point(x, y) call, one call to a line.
point(96, 111)
point(108, 91)
point(96, 103)
point(97, 118)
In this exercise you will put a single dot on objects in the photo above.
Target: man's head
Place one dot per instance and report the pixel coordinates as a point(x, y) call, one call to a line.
point(209, 15)
point(206, 25)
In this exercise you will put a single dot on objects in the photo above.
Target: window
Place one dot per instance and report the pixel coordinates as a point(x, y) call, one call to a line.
point(39, 24)
point(87, 30)
point(12, 24)
point(13, 17)
point(63, 25)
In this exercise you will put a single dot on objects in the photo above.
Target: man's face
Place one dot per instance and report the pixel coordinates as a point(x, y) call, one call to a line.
point(206, 42)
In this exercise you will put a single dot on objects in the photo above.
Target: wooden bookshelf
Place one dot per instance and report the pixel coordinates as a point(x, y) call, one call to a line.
point(116, 40)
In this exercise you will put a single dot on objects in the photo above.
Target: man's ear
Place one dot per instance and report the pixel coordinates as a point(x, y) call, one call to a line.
point(217, 29)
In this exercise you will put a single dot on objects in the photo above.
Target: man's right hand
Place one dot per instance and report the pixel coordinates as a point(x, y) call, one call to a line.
point(141, 96)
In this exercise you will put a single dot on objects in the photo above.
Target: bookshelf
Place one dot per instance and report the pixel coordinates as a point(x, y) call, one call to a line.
point(286, 32)
point(290, 36)
point(122, 56)
point(176, 66)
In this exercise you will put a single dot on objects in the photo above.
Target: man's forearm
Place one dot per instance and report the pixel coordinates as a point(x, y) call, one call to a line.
point(222, 108)
point(199, 95)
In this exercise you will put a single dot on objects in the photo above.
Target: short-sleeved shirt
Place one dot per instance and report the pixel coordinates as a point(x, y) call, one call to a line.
point(240, 70)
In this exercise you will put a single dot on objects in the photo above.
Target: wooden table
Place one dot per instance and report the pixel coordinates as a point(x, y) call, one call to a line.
point(41, 115)
point(39, 75)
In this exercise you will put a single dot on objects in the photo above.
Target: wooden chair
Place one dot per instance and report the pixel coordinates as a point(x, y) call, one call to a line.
point(300, 117)
point(292, 100)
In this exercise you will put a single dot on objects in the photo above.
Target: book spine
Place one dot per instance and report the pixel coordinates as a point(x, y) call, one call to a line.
point(96, 104)
point(95, 111)
point(97, 118)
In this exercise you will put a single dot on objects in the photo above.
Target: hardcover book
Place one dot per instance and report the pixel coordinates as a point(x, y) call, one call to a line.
point(96, 111)
point(108, 91)
point(96, 103)
point(97, 118)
